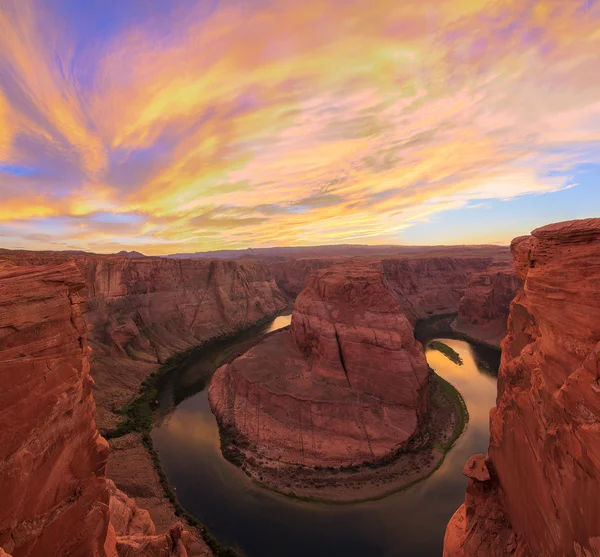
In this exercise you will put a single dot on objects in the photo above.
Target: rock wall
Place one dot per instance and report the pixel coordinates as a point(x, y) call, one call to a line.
point(52, 459)
point(347, 384)
point(543, 494)
point(484, 307)
point(56, 499)
point(429, 281)
point(433, 285)
point(291, 274)
point(141, 311)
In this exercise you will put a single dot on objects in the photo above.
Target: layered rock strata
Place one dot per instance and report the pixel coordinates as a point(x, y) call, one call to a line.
point(544, 454)
point(52, 459)
point(433, 285)
point(141, 311)
point(346, 384)
point(55, 497)
point(484, 307)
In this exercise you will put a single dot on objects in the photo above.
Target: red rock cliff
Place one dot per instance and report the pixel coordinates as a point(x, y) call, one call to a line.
point(544, 457)
point(483, 309)
point(141, 311)
point(433, 285)
point(52, 459)
point(55, 497)
point(346, 385)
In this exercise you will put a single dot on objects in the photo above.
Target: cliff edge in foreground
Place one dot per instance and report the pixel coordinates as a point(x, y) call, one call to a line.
point(543, 490)
point(55, 498)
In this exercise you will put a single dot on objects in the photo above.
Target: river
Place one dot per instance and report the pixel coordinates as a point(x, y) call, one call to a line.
point(260, 523)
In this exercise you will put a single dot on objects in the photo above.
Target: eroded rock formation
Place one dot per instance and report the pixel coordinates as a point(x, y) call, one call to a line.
point(544, 454)
point(141, 311)
point(483, 309)
point(346, 384)
point(433, 285)
point(52, 458)
point(56, 499)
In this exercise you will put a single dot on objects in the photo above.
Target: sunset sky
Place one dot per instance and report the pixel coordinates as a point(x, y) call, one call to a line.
point(168, 126)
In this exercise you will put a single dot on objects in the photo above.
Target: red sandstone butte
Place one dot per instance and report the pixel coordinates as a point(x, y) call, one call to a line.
point(544, 455)
point(483, 309)
point(55, 496)
point(346, 384)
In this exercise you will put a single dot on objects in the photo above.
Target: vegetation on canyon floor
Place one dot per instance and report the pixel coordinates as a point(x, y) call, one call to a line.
point(450, 353)
point(139, 417)
point(139, 412)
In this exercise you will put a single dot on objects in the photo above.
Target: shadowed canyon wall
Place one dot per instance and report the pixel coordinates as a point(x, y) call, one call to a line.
point(484, 307)
point(543, 492)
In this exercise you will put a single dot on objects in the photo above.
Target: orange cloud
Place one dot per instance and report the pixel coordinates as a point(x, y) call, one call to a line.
point(287, 122)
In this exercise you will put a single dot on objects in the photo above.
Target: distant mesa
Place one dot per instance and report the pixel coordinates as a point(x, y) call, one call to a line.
point(124, 253)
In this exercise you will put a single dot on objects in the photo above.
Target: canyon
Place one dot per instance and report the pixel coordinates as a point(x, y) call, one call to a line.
point(537, 491)
point(484, 307)
point(347, 385)
point(140, 311)
point(132, 313)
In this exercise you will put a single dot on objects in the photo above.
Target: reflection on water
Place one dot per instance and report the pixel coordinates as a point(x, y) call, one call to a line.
point(262, 524)
point(279, 323)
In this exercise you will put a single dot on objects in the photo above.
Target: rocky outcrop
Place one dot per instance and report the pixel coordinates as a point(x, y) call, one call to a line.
point(544, 455)
point(141, 311)
point(291, 274)
point(429, 280)
point(52, 459)
point(56, 499)
point(346, 384)
point(483, 309)
point(433, 285)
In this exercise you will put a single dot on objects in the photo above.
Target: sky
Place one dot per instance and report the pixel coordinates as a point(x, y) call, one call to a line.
point(178, 125)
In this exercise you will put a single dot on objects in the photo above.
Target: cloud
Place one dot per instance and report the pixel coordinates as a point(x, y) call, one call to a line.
point(210, 125)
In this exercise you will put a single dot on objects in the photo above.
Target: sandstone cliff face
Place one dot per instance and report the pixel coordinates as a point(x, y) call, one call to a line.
point(347, 384)
point(483, 309)
point(425, 285)
point(544, 455)
point(55, 496)
point(141, 311)
point(433, 285)
point(52, 459)
point(291, 274)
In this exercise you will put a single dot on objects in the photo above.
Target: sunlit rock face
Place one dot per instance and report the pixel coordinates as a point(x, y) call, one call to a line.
point(346, 384)
point(141, 311)
point(544, 454)
point(484, 307)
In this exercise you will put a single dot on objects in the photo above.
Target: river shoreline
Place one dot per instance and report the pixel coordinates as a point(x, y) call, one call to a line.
point(131, 442)
point(443, 425)
point(170, 502)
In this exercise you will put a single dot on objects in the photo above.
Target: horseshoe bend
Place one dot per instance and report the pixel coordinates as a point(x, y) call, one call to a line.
point(346, 385)
point(345, 404)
